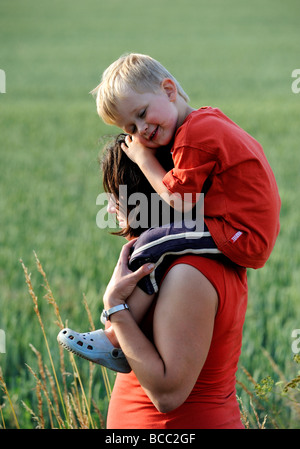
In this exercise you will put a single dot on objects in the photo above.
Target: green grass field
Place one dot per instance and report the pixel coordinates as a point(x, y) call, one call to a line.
point(235, 55)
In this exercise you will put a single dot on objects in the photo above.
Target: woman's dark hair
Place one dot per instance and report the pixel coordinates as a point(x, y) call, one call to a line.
point(118, 169)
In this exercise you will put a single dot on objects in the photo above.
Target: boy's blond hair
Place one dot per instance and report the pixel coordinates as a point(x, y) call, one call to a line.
point(138, 72)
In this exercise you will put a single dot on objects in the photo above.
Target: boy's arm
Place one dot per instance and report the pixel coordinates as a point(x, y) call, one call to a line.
point(148, 163)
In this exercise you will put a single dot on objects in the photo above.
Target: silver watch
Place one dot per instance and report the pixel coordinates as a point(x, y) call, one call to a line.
point(109, 312)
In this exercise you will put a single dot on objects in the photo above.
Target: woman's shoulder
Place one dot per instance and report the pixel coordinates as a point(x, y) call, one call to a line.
point(229, 279)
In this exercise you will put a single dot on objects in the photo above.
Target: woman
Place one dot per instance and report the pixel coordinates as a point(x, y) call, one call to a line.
point(184, 354)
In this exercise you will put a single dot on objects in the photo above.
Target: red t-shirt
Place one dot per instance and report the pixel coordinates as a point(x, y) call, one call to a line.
point(241, 207)
point(212, 402)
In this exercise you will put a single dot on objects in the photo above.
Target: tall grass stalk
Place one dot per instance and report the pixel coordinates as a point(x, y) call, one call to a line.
point(4, 388)
point(270, 397)
point(2, 417)
point(103, 369)
point(50, 298)
point(70, 402)
point(36, 309)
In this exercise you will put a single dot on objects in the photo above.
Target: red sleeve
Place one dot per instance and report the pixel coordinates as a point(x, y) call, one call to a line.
point(192, 166)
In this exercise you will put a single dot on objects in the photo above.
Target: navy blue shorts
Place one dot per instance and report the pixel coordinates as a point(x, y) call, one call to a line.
point(162, 245)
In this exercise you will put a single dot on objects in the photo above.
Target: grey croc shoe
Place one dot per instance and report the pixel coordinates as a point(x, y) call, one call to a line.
point(95, 347)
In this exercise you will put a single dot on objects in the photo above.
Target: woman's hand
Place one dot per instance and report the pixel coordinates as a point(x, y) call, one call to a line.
point(123, 280)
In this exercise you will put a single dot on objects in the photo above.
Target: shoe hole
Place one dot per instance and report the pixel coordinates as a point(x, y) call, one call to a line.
point(64, 332)
point(115, 352)
point(90, 347)
point(80, 343)
point(71, 337)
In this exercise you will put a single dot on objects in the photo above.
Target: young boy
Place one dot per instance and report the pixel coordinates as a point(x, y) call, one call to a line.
point(211, 154)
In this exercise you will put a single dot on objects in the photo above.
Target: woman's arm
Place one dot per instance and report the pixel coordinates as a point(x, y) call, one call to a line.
point(183, 325)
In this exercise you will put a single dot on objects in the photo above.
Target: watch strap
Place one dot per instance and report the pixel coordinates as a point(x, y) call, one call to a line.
point(118, 308)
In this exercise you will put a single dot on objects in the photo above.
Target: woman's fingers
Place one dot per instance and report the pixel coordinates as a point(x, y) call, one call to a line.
point(124, 280)
point(125, 251)
point(141, 272)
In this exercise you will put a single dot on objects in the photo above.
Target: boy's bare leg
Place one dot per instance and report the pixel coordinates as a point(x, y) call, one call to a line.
point(138, 302)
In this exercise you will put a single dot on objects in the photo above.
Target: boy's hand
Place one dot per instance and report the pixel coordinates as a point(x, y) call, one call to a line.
point(145, 158)
point(136, 151)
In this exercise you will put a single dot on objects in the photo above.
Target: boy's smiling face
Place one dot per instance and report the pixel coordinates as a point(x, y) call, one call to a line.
point(151, 117)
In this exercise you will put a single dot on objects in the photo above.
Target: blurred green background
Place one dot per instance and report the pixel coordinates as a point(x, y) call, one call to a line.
point(235, 55)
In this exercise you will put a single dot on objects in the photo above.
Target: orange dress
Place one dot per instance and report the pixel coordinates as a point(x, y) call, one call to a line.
point(212, 404)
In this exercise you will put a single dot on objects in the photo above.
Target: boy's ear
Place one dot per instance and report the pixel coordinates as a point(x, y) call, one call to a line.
point(170, 88)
